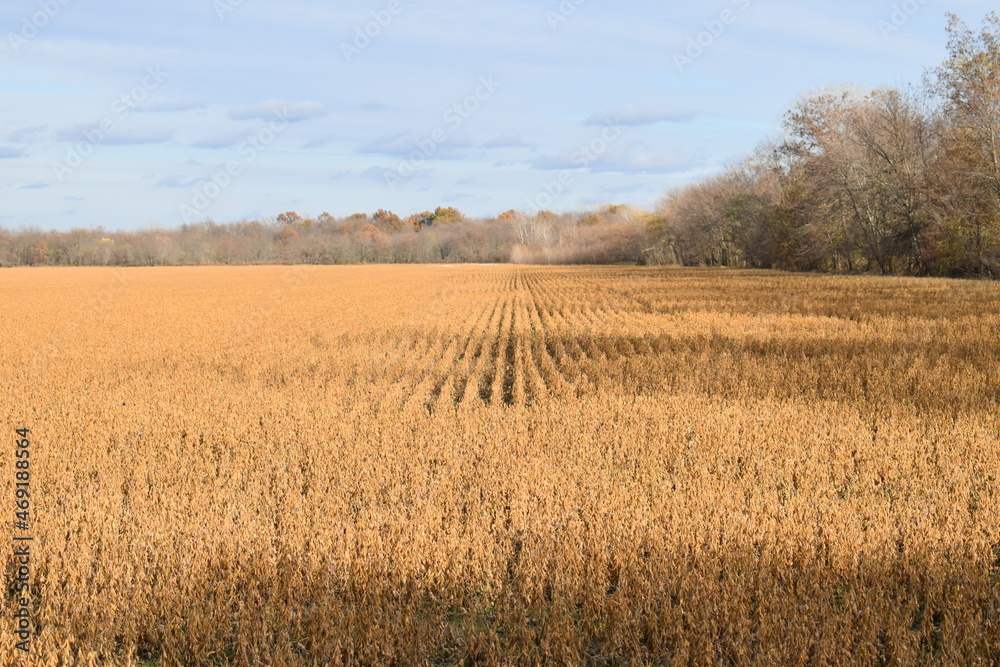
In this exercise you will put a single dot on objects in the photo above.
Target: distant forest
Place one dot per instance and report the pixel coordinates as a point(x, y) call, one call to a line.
point(889, 181)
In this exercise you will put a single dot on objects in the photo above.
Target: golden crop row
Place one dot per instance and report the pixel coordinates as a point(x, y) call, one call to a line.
point(506, 465)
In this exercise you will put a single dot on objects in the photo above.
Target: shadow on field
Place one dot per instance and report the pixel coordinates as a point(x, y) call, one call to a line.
point(545, 604)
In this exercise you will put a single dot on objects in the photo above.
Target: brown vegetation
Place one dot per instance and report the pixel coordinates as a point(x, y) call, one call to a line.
point(889, 181)
point(615, 234)
point(406, 465)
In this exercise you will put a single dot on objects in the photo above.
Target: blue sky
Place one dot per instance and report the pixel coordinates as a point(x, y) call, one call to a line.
point(129, 115)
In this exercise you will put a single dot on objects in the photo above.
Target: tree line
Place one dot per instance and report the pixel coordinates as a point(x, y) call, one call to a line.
point(892, 181)
point(613, 234)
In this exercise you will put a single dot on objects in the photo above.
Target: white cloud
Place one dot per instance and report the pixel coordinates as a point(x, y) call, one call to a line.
point(632, 158)
point(114, 135)
point(506, 141)
point(634, 116)
point(171, 107)
point(28, 134)
point(222, 140)
point(178, 181)
point(292, 111)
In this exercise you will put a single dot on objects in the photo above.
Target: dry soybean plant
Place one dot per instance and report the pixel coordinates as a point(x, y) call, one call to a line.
point(506, 465)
